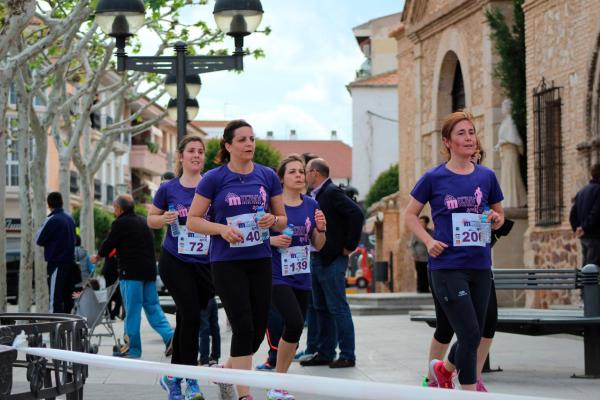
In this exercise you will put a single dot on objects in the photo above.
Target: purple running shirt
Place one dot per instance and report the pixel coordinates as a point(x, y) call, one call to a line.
point(234, 199)
point(449, 193)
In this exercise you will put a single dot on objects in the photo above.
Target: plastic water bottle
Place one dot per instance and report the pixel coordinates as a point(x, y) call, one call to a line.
point(289, 232)
point(486, 226)
point(264, 233)
point(175, 224)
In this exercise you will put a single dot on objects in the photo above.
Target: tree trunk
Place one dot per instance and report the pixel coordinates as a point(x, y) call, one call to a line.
point(39, 216)
point(64, 176)
point(26, 261)
point(86, 215)
point(2, 220)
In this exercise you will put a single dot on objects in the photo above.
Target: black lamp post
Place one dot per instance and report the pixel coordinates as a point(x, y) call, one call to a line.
point(123, 18)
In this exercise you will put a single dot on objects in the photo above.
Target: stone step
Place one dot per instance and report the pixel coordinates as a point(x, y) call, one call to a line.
point(387, 310)
point(414, 300)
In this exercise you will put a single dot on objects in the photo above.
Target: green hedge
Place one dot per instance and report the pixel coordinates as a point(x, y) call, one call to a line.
point(386, 183)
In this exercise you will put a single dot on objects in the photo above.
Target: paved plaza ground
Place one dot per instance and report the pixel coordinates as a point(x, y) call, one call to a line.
point(389, 349)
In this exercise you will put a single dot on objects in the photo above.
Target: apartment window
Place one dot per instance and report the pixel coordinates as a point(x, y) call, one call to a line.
point(547, 154)
point(97, 189)
point(12, 95)
point(110, 194)
point(74, 182)
point(12, 154)
point(38, 101)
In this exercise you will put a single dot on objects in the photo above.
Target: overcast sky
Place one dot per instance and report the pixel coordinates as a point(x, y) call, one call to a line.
point(311, 55)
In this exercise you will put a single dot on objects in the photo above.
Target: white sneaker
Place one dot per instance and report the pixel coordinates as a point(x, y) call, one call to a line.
point(279, 394)
point(226, 390)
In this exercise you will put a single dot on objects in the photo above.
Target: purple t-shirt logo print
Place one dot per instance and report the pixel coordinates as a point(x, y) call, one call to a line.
point(233, 199)
point(478, 196)
point(451, 202)
point(263, 196)
point(182, 211)
point(307, 226)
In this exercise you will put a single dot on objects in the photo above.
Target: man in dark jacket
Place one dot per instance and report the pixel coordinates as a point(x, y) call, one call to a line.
point(344, 225)
point(585, 218)
point(131, 237)
point(57, 236)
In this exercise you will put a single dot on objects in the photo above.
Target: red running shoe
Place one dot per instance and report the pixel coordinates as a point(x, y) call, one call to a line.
point(440, 374)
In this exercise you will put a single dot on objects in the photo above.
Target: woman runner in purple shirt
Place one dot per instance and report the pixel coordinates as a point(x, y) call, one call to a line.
point(291, 262)
point(183, 264)
point(240, 254)
point(462, 195)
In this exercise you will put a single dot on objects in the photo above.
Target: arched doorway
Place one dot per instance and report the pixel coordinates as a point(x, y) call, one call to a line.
point(458, 89)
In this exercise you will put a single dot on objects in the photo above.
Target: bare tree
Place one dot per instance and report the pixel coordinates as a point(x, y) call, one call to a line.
point(17, 14)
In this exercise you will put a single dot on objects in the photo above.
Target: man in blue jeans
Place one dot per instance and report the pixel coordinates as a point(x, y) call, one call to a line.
point(131, 237)
point(328, 267)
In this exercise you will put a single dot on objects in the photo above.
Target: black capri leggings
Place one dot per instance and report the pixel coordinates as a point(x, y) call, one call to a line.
point(463, 296)
point(444, 332)
point(291, 304)
point(191, 288)
point(244, 287)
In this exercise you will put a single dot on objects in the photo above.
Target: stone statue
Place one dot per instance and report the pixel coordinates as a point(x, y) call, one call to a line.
point(510, 146)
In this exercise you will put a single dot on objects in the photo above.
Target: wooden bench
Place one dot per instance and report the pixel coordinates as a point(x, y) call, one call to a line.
point(536, 322)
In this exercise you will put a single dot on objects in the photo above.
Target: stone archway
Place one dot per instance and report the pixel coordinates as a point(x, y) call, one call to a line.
point(451, 89)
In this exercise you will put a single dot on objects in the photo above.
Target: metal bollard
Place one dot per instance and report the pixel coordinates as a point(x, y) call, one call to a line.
point(591, 309)
point(591, 290)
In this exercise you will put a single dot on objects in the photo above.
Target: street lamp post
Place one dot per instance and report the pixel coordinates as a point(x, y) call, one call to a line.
point(122, 18)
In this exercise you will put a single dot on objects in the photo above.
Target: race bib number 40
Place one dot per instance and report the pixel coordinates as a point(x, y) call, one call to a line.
point(467, 230)
point(295, 260)
point(246, 223)
point(192, 243)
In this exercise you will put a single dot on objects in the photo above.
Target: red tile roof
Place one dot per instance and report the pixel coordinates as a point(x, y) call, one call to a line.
point(209, 124)
point(385, 79)
point(337, 153)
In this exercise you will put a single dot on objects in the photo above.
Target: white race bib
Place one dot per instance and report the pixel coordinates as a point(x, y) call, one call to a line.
point(192, 243)
point(247, 225)
point(467, 230)
point(295, 260)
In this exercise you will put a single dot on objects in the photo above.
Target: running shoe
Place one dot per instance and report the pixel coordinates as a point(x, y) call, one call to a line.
point(299, 355)
point(279, 394)
point(226, 390)
point(247, 397)
point(439, 374)
point(266, 366)
point(192, 390)
point(172, 386)
point(428, 383)
point(480, 387)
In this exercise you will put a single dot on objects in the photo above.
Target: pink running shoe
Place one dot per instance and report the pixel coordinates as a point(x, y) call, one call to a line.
point(480, 387)
point(440, 375)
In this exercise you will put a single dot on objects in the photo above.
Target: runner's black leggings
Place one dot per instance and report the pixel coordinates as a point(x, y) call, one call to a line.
point(444, 332)
point(244, 287)
point(291, 304)
point(464, 295)
point(191, 288)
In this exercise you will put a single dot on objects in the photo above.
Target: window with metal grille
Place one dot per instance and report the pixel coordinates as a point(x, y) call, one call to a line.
point(73, 182)
point(97, 189)
point(548, 163)
point(110, 194)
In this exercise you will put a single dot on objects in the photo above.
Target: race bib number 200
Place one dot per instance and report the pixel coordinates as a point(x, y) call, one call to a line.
point(246, 223)
point(467, 230)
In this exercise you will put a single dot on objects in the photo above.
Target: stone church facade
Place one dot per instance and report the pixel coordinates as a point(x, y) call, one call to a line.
point(446, 61)
point(446, 58)
point(563, 126)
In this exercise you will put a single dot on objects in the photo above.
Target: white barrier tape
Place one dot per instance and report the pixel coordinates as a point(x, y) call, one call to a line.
point(333, 387)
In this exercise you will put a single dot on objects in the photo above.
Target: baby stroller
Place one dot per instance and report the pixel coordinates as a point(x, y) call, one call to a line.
point(93, 306)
